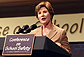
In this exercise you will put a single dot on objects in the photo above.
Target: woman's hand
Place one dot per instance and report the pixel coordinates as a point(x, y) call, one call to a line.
point(59, 44)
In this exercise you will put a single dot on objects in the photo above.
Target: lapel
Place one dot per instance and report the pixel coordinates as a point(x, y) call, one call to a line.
point(52, 32)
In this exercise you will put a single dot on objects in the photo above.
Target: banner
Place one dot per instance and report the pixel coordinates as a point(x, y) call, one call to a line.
point(72, 23)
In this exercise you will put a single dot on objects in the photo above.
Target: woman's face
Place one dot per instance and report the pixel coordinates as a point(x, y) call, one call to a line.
point(44, 16)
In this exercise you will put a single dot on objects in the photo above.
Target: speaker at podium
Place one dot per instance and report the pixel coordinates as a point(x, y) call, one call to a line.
point(43, 47)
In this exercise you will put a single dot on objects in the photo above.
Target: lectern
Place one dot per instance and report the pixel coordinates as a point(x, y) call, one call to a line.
point(44, 47)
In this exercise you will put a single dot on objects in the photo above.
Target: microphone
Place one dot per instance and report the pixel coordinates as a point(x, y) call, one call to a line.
point(21, 30)
point(25, 27)
point(32, 27)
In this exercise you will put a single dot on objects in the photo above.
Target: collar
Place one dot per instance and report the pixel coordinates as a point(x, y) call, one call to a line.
point(52, 31)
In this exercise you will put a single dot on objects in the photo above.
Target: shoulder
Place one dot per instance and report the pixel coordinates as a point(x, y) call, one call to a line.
point(58, 29)
point(62, 31)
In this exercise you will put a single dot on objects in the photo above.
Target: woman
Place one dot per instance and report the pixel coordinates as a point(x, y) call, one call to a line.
point(44, 13)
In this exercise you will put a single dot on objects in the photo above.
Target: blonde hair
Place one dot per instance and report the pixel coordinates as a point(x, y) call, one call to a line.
point(47, 5)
